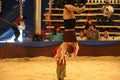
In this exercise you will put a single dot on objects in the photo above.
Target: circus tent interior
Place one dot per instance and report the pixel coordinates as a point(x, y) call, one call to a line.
point(42, 16)
point(32, 57)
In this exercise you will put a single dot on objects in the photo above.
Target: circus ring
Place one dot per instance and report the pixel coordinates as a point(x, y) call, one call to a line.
point(34, 49)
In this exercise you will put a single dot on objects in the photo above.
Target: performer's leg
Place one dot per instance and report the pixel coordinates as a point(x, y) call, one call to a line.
point(63, 73)
point(77, 49)
point(16, 32)
point(58, 71)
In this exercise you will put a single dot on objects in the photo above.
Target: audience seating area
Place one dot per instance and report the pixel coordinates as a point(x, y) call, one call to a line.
point(93, 9)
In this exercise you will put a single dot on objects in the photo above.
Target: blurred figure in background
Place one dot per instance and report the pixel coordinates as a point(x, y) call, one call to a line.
point(92, 33)
point(56, 34)
point(106, 36)
point(88, 23)
point(81, 36)
point(108, 12)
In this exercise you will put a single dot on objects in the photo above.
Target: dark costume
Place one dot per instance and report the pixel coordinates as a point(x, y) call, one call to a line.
point(69, 33)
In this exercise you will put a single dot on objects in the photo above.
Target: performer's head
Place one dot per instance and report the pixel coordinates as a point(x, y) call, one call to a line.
point(70, 49)
point(56, 30)
point(92, 27)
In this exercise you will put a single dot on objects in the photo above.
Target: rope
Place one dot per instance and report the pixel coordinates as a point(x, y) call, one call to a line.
point(12, 24)
point(7, 22)
point(21, 9)
point(50, 12)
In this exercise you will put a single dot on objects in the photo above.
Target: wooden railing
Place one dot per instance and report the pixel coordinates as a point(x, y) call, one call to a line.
point(103, 1)
point(77, 33)
point(81, 27)
point(83, 14)
point(82, 20)
point(60, 9)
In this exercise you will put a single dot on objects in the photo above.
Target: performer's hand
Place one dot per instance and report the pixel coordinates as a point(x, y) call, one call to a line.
point(82, 9)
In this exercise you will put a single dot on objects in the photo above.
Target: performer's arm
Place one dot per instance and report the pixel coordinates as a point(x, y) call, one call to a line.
point(103, 8)
point(111, 12)
point(73, 8)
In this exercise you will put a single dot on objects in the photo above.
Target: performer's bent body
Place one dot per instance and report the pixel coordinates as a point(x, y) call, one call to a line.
point(69, 38)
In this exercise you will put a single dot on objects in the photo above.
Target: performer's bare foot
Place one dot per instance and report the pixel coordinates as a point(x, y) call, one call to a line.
point(16, 40)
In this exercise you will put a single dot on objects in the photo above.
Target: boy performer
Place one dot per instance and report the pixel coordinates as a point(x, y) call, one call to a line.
point(70, 44)
point(61, 59)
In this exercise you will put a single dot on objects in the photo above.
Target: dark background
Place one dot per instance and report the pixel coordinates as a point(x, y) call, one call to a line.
point(10, 13)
